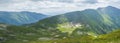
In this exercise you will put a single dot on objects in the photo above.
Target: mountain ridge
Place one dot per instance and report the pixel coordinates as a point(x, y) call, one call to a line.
point(91, 18)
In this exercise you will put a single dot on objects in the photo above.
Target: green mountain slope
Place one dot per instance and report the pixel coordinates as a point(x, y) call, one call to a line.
point(99, 21)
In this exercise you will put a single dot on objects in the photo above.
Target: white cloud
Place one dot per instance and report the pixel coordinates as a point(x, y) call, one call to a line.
point(55, 6)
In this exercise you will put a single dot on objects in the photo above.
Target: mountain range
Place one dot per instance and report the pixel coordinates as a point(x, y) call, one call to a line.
point(19, 18)
point(87, 26)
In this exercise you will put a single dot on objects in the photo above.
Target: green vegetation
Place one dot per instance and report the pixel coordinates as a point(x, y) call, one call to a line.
point(113, 37)
point(20, 34)
point(68, 27)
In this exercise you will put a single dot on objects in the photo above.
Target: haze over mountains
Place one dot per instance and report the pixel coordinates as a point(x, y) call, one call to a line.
point(19, 18)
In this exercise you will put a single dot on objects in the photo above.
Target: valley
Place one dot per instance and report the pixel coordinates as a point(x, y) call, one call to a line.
point(88, 26)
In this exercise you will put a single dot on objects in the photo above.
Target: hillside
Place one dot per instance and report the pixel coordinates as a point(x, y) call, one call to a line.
point(19, 34)
point(99, 21)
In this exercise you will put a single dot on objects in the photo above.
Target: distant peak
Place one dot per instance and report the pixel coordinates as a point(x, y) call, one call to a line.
point(110, 7)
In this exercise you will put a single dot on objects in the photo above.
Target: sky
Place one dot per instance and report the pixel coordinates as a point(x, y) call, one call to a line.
point(54, 7)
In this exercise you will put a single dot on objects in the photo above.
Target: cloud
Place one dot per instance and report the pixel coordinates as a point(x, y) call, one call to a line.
point(52, 7)
point(86, 1)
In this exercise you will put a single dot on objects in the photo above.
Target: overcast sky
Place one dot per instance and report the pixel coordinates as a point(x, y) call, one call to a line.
point(52, 7)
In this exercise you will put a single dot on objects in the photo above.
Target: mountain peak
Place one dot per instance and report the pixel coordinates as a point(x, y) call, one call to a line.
point(110, 7)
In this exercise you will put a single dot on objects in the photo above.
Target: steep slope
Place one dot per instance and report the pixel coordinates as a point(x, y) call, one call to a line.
point(18, 18)
point(99, 21)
